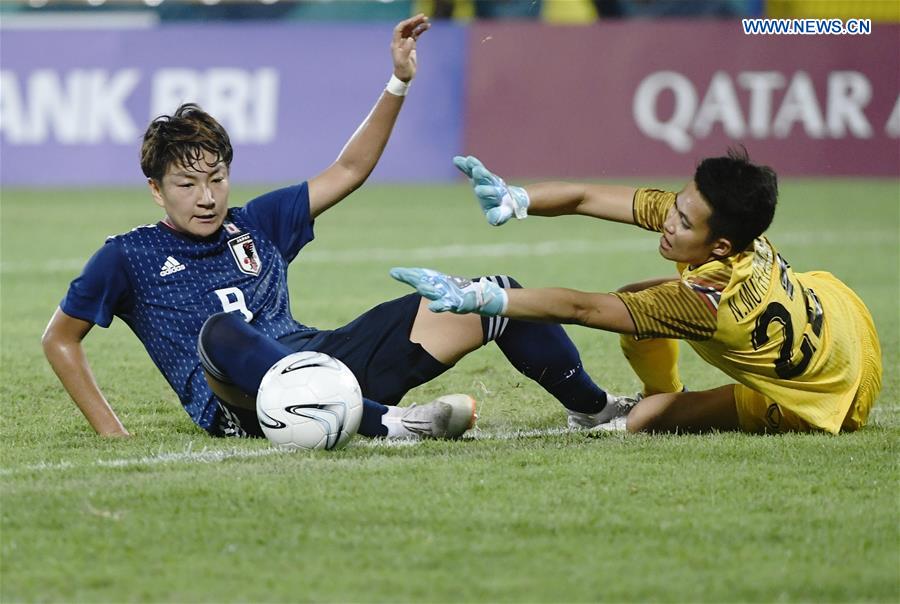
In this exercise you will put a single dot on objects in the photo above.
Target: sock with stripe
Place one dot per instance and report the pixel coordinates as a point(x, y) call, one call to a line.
point(235, 352)
point(546, 354)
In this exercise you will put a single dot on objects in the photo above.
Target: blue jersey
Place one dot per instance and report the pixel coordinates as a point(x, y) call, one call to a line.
point(165, 284)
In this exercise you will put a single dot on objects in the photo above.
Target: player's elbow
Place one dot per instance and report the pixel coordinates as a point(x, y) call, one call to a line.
point(354, 173)
point(51, 344)
point(48, 341)
point(55, 341)
point(589, 317)
point(602, 311)
point(585, 311)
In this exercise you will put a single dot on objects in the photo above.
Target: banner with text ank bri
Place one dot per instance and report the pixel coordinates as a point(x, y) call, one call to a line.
point(644, 99)
point(74, 104)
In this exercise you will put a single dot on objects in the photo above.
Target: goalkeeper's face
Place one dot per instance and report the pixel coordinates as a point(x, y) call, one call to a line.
point(686, 234)
point(194, 197)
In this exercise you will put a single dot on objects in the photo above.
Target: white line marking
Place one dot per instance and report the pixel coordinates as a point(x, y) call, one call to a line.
point(477, 434)
point(210, 455)
point(485, 250)
point(411, 255)
point(205, 455)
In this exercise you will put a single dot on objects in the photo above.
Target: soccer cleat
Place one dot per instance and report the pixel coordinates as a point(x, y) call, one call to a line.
point(616, 409)
point(447, 416)
point(614, 425)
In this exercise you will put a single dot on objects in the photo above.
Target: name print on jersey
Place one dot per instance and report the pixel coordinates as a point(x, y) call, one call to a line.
point(244, 251)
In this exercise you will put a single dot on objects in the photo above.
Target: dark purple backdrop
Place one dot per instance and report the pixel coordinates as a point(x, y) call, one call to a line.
point(328, 77)
point(564, 101)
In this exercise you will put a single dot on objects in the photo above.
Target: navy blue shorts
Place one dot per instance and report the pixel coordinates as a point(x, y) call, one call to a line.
point(376, 348)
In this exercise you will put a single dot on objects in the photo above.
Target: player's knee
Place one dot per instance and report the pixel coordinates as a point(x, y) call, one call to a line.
point(649, 415)
point(212, 334)
point(635, 424)
point(210, 329)
point(637, 420)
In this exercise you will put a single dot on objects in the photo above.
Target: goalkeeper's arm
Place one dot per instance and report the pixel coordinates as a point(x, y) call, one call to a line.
point(609, 202)
point(556, 305)
point(561, 305)
point(500, 201)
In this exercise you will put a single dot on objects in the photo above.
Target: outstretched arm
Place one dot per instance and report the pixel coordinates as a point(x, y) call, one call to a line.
point(560, 305)
point(556, 305)
point(63, 349)
point(362, 152)
point(609, 202)
point(500, 202)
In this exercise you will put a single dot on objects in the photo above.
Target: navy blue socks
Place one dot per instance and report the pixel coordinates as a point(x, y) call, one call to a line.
point(544, 353)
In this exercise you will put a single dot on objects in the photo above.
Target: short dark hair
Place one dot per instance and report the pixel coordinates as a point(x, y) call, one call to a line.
point(742, 197)
point(182, 138)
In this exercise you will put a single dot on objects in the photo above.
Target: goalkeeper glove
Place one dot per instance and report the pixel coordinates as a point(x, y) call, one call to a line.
point(499, 201)
point(456, 294)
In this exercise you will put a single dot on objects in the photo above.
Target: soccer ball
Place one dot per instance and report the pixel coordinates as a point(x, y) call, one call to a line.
point(309, 400)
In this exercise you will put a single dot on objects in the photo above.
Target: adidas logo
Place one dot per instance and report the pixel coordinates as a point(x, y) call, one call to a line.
point(171, 266)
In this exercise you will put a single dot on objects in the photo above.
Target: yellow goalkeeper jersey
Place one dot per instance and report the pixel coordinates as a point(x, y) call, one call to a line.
point(801, 339)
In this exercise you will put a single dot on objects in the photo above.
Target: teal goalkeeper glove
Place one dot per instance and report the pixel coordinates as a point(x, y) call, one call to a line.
point(499, 201)
point(456, 294)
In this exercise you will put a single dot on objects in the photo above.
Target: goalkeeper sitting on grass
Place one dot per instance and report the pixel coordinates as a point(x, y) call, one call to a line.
point(802, 346)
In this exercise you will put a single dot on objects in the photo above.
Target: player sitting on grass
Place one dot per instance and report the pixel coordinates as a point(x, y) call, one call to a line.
point(205, 290)
point(802, 346)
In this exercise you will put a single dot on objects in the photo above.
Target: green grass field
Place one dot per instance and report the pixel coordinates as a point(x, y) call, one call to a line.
point(524, 512)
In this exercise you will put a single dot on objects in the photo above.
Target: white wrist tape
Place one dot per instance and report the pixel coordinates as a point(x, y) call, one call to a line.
point(397, 87)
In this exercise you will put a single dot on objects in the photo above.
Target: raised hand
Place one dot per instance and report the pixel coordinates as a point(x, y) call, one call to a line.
point(403, 45)
point(498, 201)
point(455, 294)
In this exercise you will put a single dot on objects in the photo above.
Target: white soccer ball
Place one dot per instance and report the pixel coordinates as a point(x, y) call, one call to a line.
point(309, 400)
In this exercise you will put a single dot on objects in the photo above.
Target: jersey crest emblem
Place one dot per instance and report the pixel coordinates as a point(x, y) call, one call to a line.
point(244, 251)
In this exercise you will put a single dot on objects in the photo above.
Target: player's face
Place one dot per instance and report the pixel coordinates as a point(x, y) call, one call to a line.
point(685, 235)
point(195, 198)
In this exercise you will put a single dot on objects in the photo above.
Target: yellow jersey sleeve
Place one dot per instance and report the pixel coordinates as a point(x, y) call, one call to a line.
point(671, 310)
point(650, 207)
